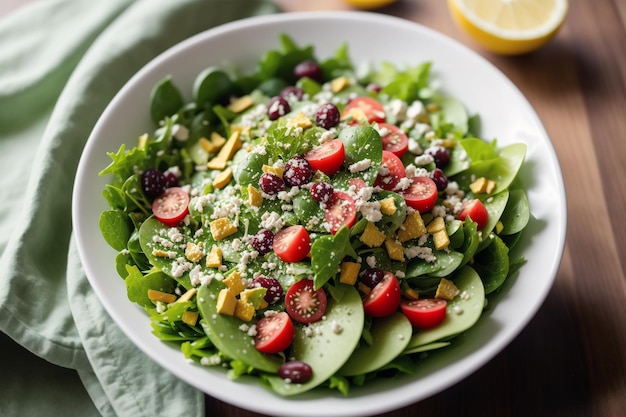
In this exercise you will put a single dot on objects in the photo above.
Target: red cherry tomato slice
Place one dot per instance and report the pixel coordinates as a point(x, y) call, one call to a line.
point(304, 303)
point(394, 172)
point(292, 244)
point(363, 110)
point(424, 313)
point(328, 157)
point(274, 333)
point(394, 139)
point(340, 210)
point(171, 207)
point(476, 211)
point(422, 194)
point(384, 298)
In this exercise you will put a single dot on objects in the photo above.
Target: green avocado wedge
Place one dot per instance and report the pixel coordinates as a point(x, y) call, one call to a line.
point(225, 333)
point(328, 343)
point(469, 303)
point(390, 336)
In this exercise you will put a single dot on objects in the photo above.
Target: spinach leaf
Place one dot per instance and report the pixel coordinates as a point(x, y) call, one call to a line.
point(165, 100)
point(116, 228)
point(492, 264)
point(137, 285)
point(516, 214)
point(327, 253)
point(361, 143)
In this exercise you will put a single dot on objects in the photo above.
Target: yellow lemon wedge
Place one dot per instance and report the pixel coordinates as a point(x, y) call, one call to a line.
point(369, 4)
point(509, 27)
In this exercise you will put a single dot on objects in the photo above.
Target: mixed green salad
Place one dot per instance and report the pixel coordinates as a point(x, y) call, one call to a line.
point(312, 223)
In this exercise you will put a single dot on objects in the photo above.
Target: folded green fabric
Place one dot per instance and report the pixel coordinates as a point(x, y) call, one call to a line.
point(61, 62)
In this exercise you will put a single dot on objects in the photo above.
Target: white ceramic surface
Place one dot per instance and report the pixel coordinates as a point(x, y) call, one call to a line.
point(506, 115)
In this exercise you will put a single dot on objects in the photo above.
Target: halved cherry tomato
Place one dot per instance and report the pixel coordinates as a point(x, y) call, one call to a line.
point(476, 211)
point(364, 110)
point(171, 207)
point(395, 172)
point(274, 333)
point(328, 157)
point(394, 139)
point(421, 195)
point(425, 312)
point(384, 298)
point(340, 210)
point(303, 303)
point(292, 244)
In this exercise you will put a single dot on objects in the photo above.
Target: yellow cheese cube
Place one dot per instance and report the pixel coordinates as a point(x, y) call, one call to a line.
point(300, 120)
point(388, 206)
point(491, 186)
point(244, 311)
point(371, 236)
point(194, 252)
point(226, 302)
point(436, 225)
point(207, 145)
point(190, 317)
point(223, 178)
point(441, 239)
point(214, 258)
point(349, 272)
point(446, 290)
point(413, 227)
point(479, 186)
point(217, 139)
point(364, 288)
point(240, 104)
point(411, 294)
point(255, 197)
point(499, 227)
point(278, 171)
point(164, 297)
point(339, 84)
point(226, 152)
point(234, 282)
point(221, 228)
point(394, 250)
point(187, 295)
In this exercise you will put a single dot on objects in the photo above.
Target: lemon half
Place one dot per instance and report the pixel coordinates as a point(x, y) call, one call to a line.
point(509, 27)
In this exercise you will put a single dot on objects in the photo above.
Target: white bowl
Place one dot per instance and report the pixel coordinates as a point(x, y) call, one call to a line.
point(506, 115)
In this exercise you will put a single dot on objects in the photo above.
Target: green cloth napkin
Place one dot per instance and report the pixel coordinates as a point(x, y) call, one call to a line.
point(61, 62)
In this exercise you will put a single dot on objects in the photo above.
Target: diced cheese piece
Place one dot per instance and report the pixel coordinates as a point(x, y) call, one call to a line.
point(190, 317)
point(413, 227)
point(187, 295)
point(388, 206)
point(223, 178)
point(364, 288)
point(226, 302)
point(226, 152)
point(479, 186)
point(371, 236)
point(207, 145)
point(441, 239)
point(240, 104)
point(356, 114)
point(300, 120)
point(164, 297)
point(499, 227)
point(491, 186)
point(394, 250)
point(255, 197)
point(235, 282)
point(339, 84)
point(214, 258)
point(411, 294)
point(278, 171)
point(194, 252)
point(349, 272)
point(221, 228)
point(448, 143)
point(436, 225)
point(243, 130)
point(244, 311)
point(159, 253)
point(217, 139)
point(254, 296)
point(446, 290)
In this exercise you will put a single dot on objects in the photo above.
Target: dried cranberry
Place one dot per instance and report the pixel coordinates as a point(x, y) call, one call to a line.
point(308, 69)
point(439, 154)
point(298, 171)
point(171, 180)
point(374, 87)
point(439, 178)
point(274, 291)
point(271, 183)
point(321, 191)
point(327, 116)
point(297, 372)
point(262, 241)
point(292, 91)
point(277, 107)
point(372, 276)
point(153, 182)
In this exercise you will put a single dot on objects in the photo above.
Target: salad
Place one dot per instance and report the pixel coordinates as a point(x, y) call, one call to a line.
point(313, 223)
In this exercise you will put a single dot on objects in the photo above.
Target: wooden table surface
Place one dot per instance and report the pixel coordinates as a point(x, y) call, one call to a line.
point(571, 358)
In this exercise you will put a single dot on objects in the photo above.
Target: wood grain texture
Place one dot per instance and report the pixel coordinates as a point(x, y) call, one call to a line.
point(570, 361)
